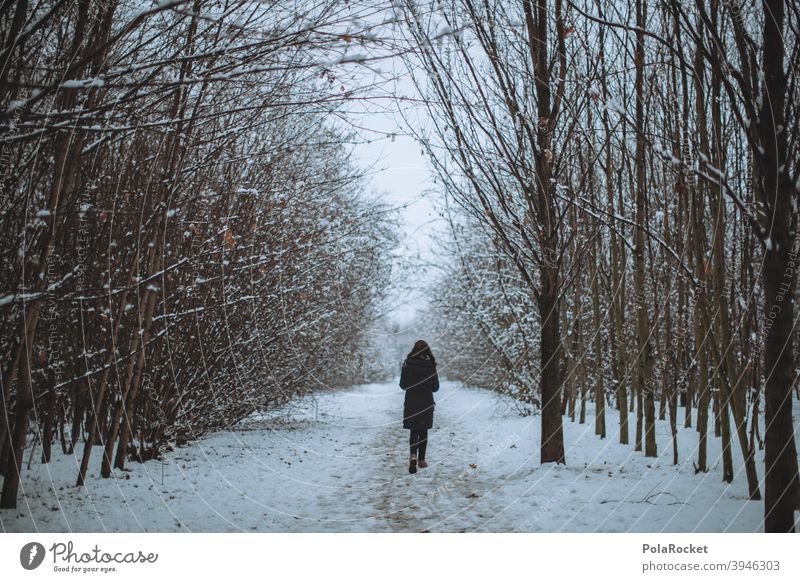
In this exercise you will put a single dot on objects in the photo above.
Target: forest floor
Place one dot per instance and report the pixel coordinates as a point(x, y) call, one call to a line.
point(337, 462)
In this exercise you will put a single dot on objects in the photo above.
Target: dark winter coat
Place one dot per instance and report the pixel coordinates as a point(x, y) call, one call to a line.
point(419, 379)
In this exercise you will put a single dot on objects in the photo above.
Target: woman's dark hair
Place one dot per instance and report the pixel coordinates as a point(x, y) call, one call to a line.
point(421, 351)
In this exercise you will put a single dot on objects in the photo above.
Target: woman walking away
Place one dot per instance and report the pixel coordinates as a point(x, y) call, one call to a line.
point(419, 379)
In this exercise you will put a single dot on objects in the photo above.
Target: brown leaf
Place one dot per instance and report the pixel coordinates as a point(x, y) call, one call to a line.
point(228, 239)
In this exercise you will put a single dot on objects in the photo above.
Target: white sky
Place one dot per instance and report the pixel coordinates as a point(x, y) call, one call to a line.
point(403, 177)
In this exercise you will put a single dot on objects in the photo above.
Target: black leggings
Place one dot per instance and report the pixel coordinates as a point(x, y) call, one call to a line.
point(419, 442)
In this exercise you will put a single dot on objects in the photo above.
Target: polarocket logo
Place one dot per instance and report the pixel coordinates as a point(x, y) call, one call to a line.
point(31, 555)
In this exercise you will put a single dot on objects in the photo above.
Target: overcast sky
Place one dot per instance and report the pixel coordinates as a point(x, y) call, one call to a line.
point(402, 176)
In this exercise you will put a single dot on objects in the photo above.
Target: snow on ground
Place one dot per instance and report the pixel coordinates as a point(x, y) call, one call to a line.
point(338, 463)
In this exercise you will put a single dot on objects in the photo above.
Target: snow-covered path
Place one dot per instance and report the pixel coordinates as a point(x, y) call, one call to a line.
point(337, 462)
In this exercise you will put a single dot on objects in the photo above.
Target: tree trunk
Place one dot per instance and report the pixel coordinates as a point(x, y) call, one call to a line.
point(781, 480)
point(599, 387)
point(673, 424)
point(94, 421)
point(22, 409)
point(9, 378)
point(644, 359)
point(552, 445)
point(49, 421)
point(782, 489)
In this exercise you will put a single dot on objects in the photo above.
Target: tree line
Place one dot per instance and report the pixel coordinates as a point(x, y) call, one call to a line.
point(186, 236)
point(621, 184)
